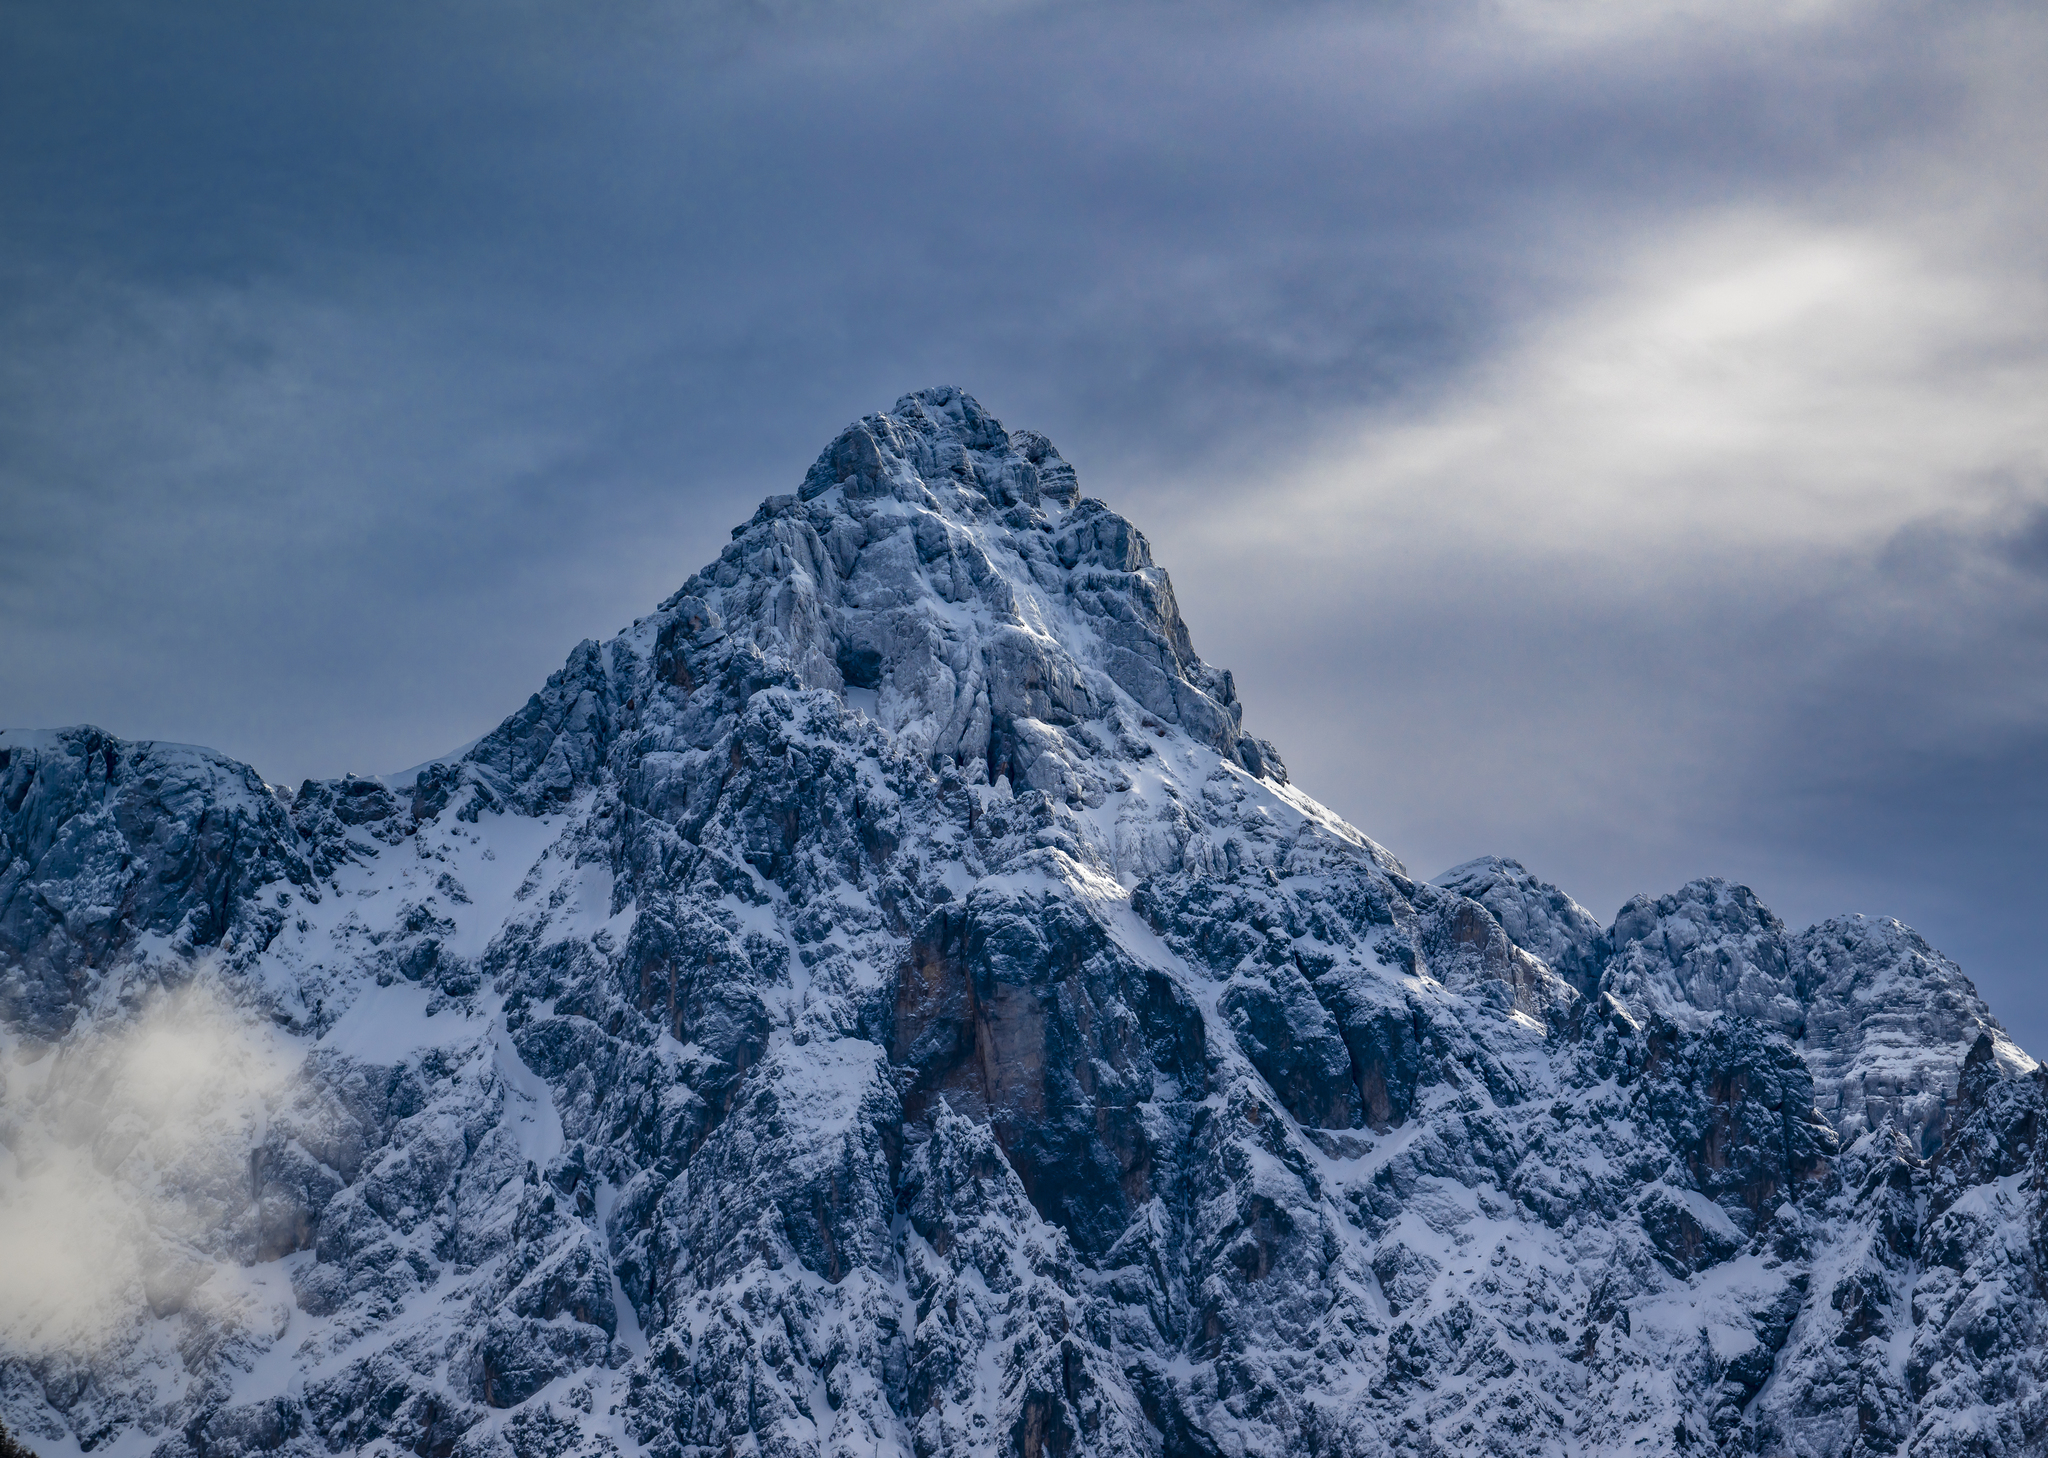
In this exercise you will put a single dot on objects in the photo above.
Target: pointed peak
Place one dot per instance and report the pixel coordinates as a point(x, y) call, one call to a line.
point(1537, 917)
point(952, 412)
point(1708, 900)
point(935, 570)
point(1486, 867)
point(934, 436)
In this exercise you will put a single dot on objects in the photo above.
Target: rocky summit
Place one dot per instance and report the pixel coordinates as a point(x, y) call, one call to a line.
point(888, 1001)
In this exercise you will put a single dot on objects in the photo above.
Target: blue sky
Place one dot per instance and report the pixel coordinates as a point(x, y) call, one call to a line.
point(1613, 435)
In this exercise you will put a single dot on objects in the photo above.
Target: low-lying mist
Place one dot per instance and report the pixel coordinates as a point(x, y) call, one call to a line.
point(124, 1157)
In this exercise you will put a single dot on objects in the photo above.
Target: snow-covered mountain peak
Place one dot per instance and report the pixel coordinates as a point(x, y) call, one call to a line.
point(943, 581)
point(946, 578)
point(883, 1002)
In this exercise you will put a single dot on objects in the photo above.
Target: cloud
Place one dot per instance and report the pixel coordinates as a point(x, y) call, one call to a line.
point(1594, 23)
point(126, 1151)
point(1753, 385)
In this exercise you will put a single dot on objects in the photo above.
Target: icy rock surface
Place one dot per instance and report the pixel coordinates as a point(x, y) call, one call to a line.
point(884, 1002)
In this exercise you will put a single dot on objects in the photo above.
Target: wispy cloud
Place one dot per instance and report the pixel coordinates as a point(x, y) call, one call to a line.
point(1755, 387)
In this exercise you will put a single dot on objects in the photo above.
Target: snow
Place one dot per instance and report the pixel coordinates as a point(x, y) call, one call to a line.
point(530, 1110)
point(386, 1024)
point(866, 701)
point(405, 779)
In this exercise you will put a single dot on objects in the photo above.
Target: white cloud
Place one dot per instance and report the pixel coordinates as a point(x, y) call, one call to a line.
point(1753, 384)
point(1585, 23)
point(126, 1146)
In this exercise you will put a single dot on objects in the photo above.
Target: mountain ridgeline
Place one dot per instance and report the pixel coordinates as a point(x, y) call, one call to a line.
point(885, 1001)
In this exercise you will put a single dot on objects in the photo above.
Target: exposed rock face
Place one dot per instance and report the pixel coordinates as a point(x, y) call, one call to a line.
point(885, 1002)
point(1889, 1022)
point(105, 845)
point(1540, 919)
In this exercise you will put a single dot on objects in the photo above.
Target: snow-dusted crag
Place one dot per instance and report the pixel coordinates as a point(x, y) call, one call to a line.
point(884, 1002)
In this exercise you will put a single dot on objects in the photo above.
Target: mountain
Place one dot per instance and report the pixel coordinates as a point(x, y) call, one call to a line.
point(885, 1002)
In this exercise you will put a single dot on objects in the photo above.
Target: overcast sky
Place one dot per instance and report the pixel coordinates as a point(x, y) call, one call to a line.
point(1610, 434)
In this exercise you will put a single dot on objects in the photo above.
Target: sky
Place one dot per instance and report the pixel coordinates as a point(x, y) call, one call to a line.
point(1613, 435)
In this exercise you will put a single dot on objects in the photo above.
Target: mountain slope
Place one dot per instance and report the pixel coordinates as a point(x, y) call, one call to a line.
point(884, 1002)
